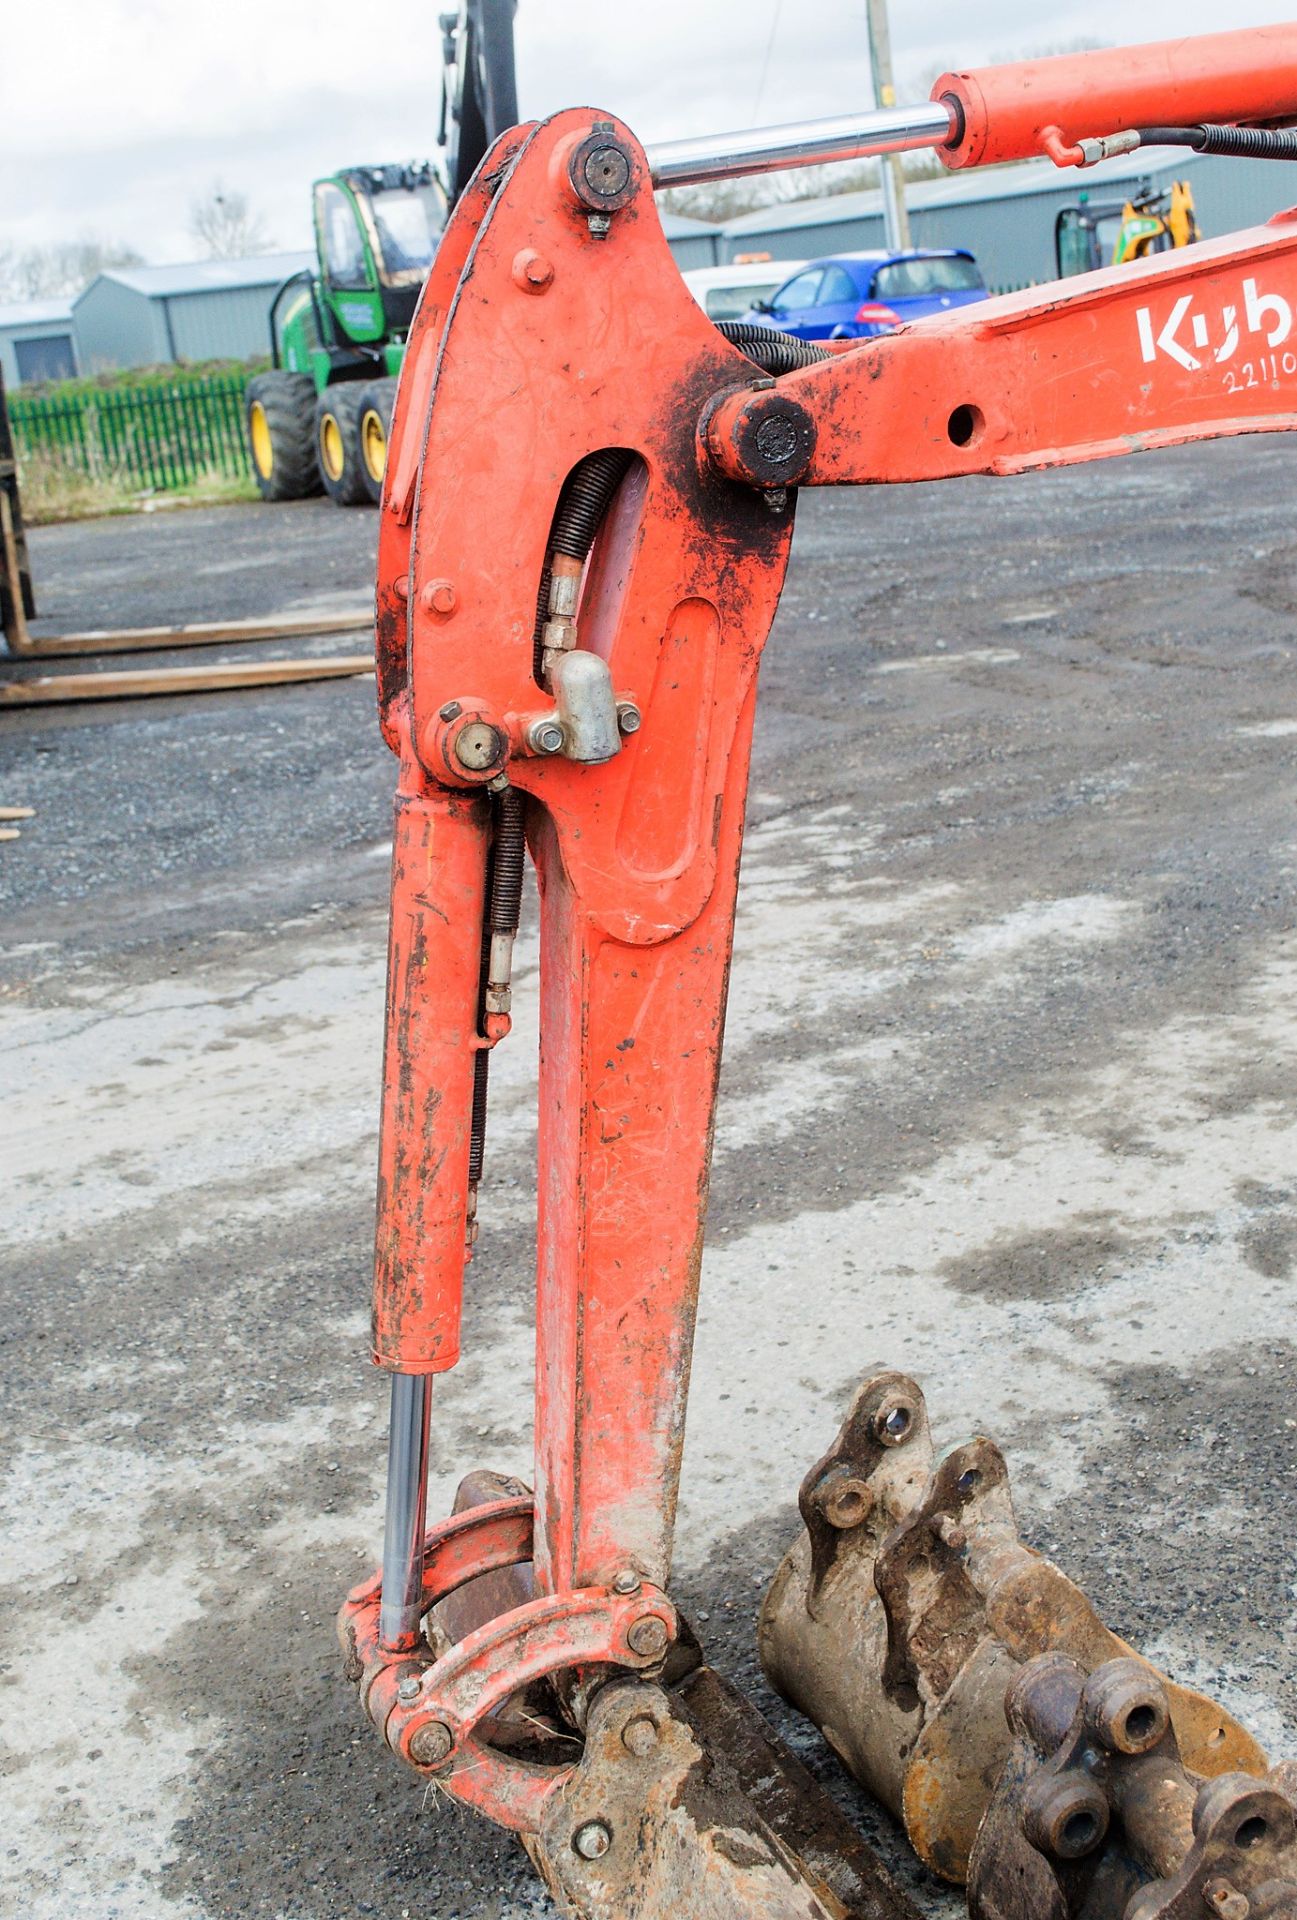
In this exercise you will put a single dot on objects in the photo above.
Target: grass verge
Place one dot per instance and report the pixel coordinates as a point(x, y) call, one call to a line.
point(53, 490)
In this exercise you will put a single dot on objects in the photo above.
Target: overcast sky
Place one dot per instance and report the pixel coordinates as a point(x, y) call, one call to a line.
point(116, 114)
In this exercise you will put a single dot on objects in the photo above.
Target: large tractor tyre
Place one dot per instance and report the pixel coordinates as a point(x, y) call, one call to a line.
point(279, 410)
point(337, 448)
point(373, 428)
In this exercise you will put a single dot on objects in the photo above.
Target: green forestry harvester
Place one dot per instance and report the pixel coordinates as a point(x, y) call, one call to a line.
point(319, 420)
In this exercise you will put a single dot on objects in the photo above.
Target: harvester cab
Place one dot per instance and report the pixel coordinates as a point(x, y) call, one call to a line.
point(338, 329)
point(376, 231)
point(1097, 233)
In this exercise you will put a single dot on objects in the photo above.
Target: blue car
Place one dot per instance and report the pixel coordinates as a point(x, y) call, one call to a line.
point(853, 296)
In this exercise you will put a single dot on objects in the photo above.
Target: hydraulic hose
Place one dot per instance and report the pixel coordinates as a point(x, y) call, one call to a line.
point(499, 930)
point(1236, 143)
point(772, 351)
point(585, 499)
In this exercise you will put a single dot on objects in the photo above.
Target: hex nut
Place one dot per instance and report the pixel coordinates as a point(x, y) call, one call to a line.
point(626, 1581)
point(431, 1744)
point(409, 1689)
point(629, 717)
point(592, 1839)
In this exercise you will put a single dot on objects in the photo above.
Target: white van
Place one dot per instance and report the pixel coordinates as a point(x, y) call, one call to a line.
point(725, 293)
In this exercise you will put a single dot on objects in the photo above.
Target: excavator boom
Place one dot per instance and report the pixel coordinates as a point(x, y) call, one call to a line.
point(586, 522)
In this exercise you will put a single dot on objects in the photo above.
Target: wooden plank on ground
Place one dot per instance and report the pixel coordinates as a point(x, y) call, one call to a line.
point(199, 633)
point(56, 689)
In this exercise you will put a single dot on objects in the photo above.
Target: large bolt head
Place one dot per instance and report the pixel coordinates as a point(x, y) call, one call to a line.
point(640, 1736)
point(479, 746)
point(649, 1637)
point(762, 437)
point(439, 597)
point(606, 171)
point(603, 171)
point(592, 1839)
point(431, 1744)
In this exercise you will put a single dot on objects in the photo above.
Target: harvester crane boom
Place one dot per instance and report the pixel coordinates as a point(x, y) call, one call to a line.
point(479, 95)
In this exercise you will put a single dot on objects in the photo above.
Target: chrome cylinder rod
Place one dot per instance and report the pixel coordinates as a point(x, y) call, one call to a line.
point(407, 1508)
point(804, 143)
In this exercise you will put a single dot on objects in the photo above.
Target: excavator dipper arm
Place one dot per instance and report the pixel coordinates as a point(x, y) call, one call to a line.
point(585, 529)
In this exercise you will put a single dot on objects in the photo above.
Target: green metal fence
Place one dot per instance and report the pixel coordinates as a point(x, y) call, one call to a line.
point(160, 437)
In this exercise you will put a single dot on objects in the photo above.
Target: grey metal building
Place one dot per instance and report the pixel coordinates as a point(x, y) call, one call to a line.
point(693, 243)
point(220, 309)
point(207, 310)
point(36, 342)
point(1006, 214)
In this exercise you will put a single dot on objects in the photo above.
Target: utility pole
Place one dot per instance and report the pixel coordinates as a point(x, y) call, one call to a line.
point(895, 217)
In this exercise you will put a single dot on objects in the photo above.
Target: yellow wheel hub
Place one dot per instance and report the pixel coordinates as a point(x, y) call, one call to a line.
point(373, 443)
point(263, 446)
point(333, 456)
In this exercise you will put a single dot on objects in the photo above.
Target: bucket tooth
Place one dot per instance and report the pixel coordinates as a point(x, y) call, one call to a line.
point(1097, 1814)
point(900, 1618)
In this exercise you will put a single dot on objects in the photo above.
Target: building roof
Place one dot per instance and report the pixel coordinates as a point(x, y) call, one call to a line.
point(954, 189)
point(677, 226)
point(35, 313)
point(205, 276)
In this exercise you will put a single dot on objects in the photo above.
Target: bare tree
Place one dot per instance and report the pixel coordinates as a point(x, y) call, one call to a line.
point(921, 80)
point(226, 226)
point(60, 271)
point(727, 199)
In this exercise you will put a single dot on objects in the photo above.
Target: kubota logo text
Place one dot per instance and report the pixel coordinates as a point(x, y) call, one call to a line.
point(1267, 314)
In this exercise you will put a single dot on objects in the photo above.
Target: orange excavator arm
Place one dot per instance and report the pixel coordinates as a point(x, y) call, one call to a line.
point(585, 527)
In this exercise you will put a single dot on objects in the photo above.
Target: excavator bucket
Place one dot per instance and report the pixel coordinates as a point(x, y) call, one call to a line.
point(919, 1632)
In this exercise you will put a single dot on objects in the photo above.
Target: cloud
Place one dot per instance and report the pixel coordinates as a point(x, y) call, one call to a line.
point(116, 114)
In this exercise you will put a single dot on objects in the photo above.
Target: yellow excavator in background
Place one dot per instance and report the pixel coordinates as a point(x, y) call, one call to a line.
point(1096, 233)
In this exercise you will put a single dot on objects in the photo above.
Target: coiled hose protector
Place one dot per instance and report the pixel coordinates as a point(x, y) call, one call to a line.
point(770, 350)
point(1235, 143)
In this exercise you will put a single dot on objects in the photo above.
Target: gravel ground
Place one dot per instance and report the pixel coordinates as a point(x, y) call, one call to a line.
point(1008, 1102)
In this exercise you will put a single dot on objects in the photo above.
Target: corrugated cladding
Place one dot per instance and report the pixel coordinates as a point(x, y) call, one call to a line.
point(233, 325)
point(118, 327)
point(695, 250)
point(1006, 217)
